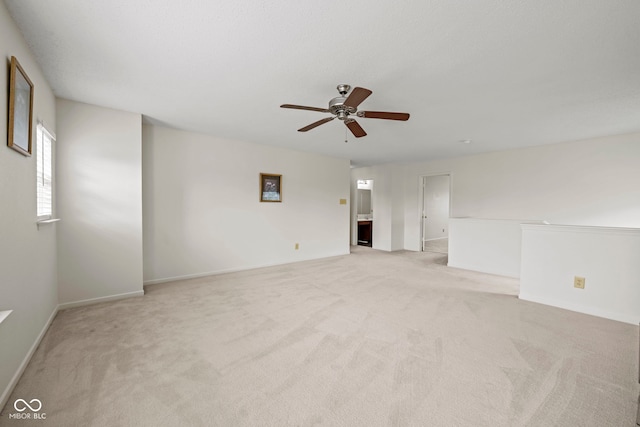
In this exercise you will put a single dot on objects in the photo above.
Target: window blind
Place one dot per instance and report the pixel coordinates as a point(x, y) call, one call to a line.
point(44, 171)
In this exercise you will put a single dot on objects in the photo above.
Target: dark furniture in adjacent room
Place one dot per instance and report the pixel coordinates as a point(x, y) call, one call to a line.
point(365, 233)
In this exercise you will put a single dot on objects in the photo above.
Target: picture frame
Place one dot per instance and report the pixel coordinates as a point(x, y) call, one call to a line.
point(270, 187)
point(20, 109)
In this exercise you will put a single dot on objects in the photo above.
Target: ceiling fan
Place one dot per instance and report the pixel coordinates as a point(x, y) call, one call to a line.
point(344, 106)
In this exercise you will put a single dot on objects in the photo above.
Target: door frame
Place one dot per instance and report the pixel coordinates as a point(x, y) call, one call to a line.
point(421, 181)
point(353, 220)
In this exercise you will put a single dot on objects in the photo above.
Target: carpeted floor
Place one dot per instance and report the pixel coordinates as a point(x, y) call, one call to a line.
point(367, 339)
point(437, 245)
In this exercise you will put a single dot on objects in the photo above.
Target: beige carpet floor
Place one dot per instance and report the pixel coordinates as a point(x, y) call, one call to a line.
point(367, 339)
point(438, 245)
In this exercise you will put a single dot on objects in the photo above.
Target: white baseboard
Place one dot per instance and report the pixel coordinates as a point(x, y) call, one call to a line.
point(197, 275)
point(482, 269)
point(233, 270)
point(4, 314)
point(80, 303)
point(16, 377)
point(593, 311)
point(435, 238)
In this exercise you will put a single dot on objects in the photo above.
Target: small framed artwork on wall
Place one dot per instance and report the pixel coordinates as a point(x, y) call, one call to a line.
point(270, 187)
point(20, 109)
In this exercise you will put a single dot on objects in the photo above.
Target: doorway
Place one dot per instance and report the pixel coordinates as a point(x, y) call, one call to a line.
point(364, 199)
point(436, 201)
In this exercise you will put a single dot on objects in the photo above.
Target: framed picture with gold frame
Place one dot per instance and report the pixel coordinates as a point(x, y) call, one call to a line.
point(20, 109)
point(270, 187)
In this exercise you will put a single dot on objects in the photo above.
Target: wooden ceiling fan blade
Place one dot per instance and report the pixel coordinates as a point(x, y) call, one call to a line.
point(302, 107)
point(355, 128)
point(316, 124)
point(384, 115)
point(356, 97)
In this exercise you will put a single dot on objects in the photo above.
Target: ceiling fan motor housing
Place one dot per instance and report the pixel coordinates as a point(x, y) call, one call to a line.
point(337, 107)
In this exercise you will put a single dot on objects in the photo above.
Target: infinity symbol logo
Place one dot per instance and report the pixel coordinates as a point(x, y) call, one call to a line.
point(25, 405)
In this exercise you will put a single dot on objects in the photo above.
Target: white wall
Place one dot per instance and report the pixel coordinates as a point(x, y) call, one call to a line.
point(606, 257)
point(100, 203)
point(202, 213)
point(28, 278)
point(487, 245)
point(592, 182)
point(397, 210)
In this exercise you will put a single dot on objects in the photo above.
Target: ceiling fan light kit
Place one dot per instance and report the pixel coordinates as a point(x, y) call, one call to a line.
point(343, 107)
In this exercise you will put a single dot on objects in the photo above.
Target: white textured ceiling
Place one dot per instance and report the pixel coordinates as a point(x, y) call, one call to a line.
point(503, 73)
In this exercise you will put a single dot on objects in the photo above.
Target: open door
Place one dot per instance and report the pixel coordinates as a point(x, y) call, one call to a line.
point(435, 213)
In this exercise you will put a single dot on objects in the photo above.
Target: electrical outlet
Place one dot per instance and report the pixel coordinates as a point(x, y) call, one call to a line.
point(578, 282)
point(297, 246)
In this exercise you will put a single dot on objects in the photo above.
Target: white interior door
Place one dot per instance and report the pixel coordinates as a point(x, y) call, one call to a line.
point(435, 208)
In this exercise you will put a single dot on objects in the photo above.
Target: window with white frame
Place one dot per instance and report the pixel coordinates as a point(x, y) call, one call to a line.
point(44, 171)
